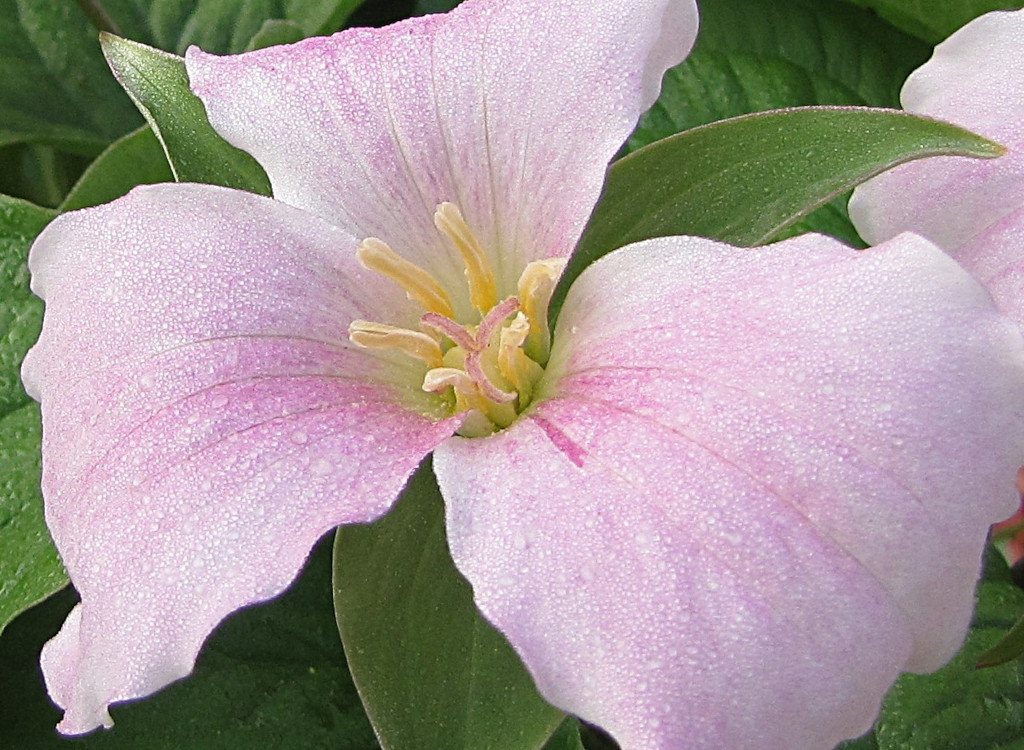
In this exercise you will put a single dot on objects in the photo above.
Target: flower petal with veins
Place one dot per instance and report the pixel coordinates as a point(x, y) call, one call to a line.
point(973, 209)
point(699, 528)
point(754, 488)
point(197, 337)
point(512, 110)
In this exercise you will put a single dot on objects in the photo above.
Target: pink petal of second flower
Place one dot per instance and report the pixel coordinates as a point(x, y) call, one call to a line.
point(975, 79)
point(205, 421)
point(755, 488)
point(512, 110)
point(995, 256)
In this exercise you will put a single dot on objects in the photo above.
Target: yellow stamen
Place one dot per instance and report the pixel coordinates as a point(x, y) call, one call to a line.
point(483, 289)
point(536, 285)
point(419, 285)
point(379, 336)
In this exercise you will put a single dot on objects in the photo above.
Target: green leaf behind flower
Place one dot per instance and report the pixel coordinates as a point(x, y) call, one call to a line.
point(275, 31)
point(1009, 647)
point(54, 87)
point(934, 20)
point(220, 26)
point(272, 676)
point(787, 53)
point(134, 159)
point(30, 570)
point(158, 84)
point(961, 707)
point(432, 672)
point(747, 179)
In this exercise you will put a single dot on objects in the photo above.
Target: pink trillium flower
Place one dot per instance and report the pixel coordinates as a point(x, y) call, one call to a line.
point(724, 503)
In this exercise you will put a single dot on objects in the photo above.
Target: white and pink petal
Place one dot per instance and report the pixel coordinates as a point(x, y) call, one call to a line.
point(205, 421)
point(510, 110)
point(754, 488)
point(975, 79)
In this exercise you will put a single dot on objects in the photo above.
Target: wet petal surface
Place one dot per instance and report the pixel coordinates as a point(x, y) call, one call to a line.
point(756, 488)
point(205, 421)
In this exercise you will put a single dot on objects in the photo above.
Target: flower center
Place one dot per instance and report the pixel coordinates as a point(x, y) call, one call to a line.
point(487, 366)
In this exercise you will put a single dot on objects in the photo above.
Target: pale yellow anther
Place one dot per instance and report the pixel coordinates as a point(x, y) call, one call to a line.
point(419, 285)
point(483, 289)
point(381, 336)
point(536, 285)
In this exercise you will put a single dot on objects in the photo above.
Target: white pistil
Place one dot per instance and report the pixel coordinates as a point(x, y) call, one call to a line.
point(460, 335)
point(475, 343)
point(420, 286)
point(380, 336)
point(483, 289)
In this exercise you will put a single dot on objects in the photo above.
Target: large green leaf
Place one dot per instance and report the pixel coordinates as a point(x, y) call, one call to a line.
point(29, 567)
point(934, 20)
point(54, 87)
point(272, 676)
point(158, 84)
point(746, 179)
point(38, 173)
point(961, 707)
point(134, 159)
point(787, 53)
point(219, 26)
point(432, 672)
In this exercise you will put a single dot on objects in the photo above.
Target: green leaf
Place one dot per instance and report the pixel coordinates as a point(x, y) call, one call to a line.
point(38, 173)
point(789, 53)
point(566, 737)
point(275, 31)
point(134, 159)
point(432, 672)
point(158, 84)
point(746, 179)
point(54, 87)
point(220, 26)
point(271, 676)
point(933, 20)
point(423, 7)
point(1010, 647)
point(961, 706)
point(21, 312)
point(30, 570)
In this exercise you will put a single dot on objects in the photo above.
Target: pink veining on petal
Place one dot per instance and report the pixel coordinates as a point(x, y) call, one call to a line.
point(205, 421)
point(511, 110)
point(573, 451)
point(790, 458)
point(975, 79)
